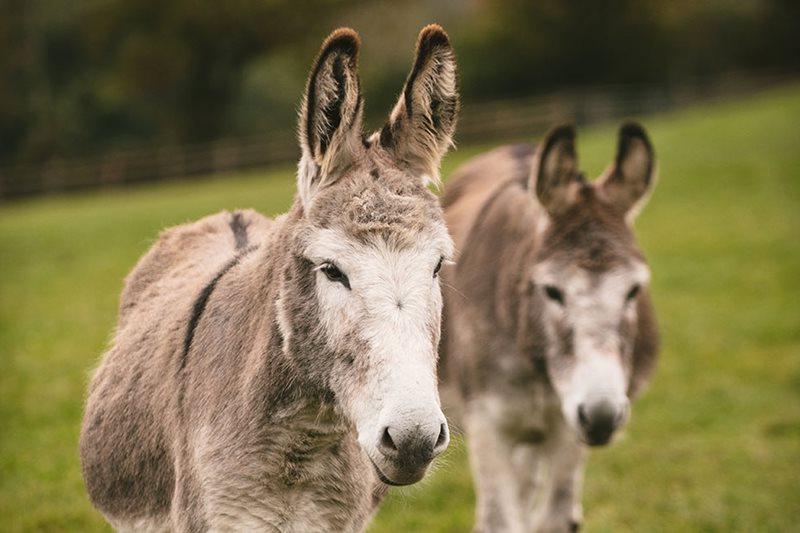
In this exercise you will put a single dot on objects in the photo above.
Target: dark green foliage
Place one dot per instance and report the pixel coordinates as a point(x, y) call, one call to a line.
point(87, 76)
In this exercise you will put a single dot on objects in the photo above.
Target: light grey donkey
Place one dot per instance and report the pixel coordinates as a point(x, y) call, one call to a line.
point(548, 327)
point(276, 375)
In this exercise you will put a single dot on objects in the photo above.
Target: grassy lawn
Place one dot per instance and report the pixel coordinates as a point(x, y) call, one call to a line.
point(713, 445)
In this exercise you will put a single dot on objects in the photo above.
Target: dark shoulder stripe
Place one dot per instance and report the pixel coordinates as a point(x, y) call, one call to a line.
point(523, 154)
point(239, 229)
point(201, 301)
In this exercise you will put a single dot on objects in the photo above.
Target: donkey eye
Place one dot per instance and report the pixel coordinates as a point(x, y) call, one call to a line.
point(438, 267)
point(632, 293)
point(333, 273)
point(554, 294)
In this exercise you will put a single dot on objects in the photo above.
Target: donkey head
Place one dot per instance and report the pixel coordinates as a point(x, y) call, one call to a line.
point(590, 280)
point(360, 304)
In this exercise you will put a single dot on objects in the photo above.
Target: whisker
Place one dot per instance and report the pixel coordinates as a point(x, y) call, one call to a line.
point(451, 287)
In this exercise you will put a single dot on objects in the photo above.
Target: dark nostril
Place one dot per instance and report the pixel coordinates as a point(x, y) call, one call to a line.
point(582, 418)
point(598, 421)
point(387, 443)
point(442, 439)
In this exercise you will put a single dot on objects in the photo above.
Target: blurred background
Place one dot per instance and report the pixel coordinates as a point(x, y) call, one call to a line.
point(121, 117)
point(107, 91)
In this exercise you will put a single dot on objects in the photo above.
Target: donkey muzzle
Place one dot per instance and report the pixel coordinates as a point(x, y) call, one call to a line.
point(406, 449)
point(600, 419)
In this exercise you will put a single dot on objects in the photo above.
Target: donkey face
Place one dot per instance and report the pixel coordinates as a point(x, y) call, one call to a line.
point(590, 280)
point(364, 288)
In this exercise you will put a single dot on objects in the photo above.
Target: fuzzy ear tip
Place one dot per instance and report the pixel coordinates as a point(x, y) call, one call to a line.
point(634, 130)
point(343, 40)
point(564, 133)
point(432, 36)
point(564, 130)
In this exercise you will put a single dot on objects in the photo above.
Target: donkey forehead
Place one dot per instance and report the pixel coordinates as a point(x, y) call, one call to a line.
point(591, 236)
point(364, 208)
point(577, 279)
point(599, 256)
point(340, 244)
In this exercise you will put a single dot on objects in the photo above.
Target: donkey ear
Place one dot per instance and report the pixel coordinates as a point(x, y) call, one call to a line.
point(629, 180)
point(421, 126)
point(555, 170)
point(329, 128)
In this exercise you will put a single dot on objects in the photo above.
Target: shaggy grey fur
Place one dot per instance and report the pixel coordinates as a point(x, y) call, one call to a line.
point(509, 211)
point(217, 404)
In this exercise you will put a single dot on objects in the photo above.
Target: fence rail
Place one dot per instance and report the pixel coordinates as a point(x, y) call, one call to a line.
point(507, 119)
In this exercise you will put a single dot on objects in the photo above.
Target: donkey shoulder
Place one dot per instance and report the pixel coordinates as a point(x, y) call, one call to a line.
point(188, 246)
point(476, 181)
point(487, 170)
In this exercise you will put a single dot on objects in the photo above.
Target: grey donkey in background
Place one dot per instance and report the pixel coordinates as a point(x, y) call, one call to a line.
point(548, 327)
point(279, 374)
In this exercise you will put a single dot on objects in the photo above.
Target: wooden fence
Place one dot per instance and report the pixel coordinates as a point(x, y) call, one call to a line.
point(484, 122)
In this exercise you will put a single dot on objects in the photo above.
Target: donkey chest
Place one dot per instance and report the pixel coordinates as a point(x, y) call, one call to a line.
point(295, 509)
point(519, 401)
point(289, 484)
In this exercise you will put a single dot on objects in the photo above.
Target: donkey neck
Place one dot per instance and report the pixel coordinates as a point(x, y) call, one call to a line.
point(502, 240)
point(295, 400)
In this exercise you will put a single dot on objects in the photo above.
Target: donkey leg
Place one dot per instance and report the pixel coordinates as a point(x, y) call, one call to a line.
point(524, 482)
point(503, 468)
point(565, 512)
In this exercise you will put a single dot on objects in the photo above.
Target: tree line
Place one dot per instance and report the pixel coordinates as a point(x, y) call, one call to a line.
point(83, 77)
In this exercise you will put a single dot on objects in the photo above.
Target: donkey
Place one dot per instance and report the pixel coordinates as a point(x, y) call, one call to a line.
point(548, 326)
point(279, 374)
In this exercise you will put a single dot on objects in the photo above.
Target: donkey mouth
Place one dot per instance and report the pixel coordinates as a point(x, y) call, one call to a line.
point(597, 441)
point(385, 480)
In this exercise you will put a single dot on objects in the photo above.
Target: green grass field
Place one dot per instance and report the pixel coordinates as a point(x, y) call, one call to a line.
point(713, 445)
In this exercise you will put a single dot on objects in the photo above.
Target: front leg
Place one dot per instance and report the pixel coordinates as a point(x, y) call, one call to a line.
point(492, 470)
point(568, 459)
point(526, 479)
